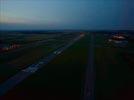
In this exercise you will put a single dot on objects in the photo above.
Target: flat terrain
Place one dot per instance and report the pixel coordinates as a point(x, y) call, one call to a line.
point(62, 79)
point(32, 48)
point(114, 73)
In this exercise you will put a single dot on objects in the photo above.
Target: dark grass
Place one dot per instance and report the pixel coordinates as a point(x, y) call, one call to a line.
point(12, 67)
point(114, 76)
point(62, 79)
point(15, 54)
point(21, 38)
point(12, 62)
point(6, 72)
point(32, 55)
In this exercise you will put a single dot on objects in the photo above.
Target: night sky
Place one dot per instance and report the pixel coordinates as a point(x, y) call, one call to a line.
point(66, 14)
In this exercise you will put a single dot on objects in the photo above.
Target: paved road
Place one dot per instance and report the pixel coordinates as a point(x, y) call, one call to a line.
point(90, 73)
point(23, 74)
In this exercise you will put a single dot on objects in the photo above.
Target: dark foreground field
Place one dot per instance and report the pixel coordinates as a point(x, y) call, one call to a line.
point(32, 48)
point(114, 71)
point(62, 79)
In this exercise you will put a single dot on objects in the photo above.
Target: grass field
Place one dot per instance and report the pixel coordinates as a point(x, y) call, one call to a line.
point(6, 72)
point(114, 77)
point(30, 57)
point(49, 41)
point(62, 79)
point(14, 61)
point(22, 39)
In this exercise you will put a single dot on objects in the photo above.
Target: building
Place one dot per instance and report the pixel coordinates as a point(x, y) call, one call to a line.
point(118, 40)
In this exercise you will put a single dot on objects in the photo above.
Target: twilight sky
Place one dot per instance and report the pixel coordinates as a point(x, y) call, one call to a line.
point(66, 14)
